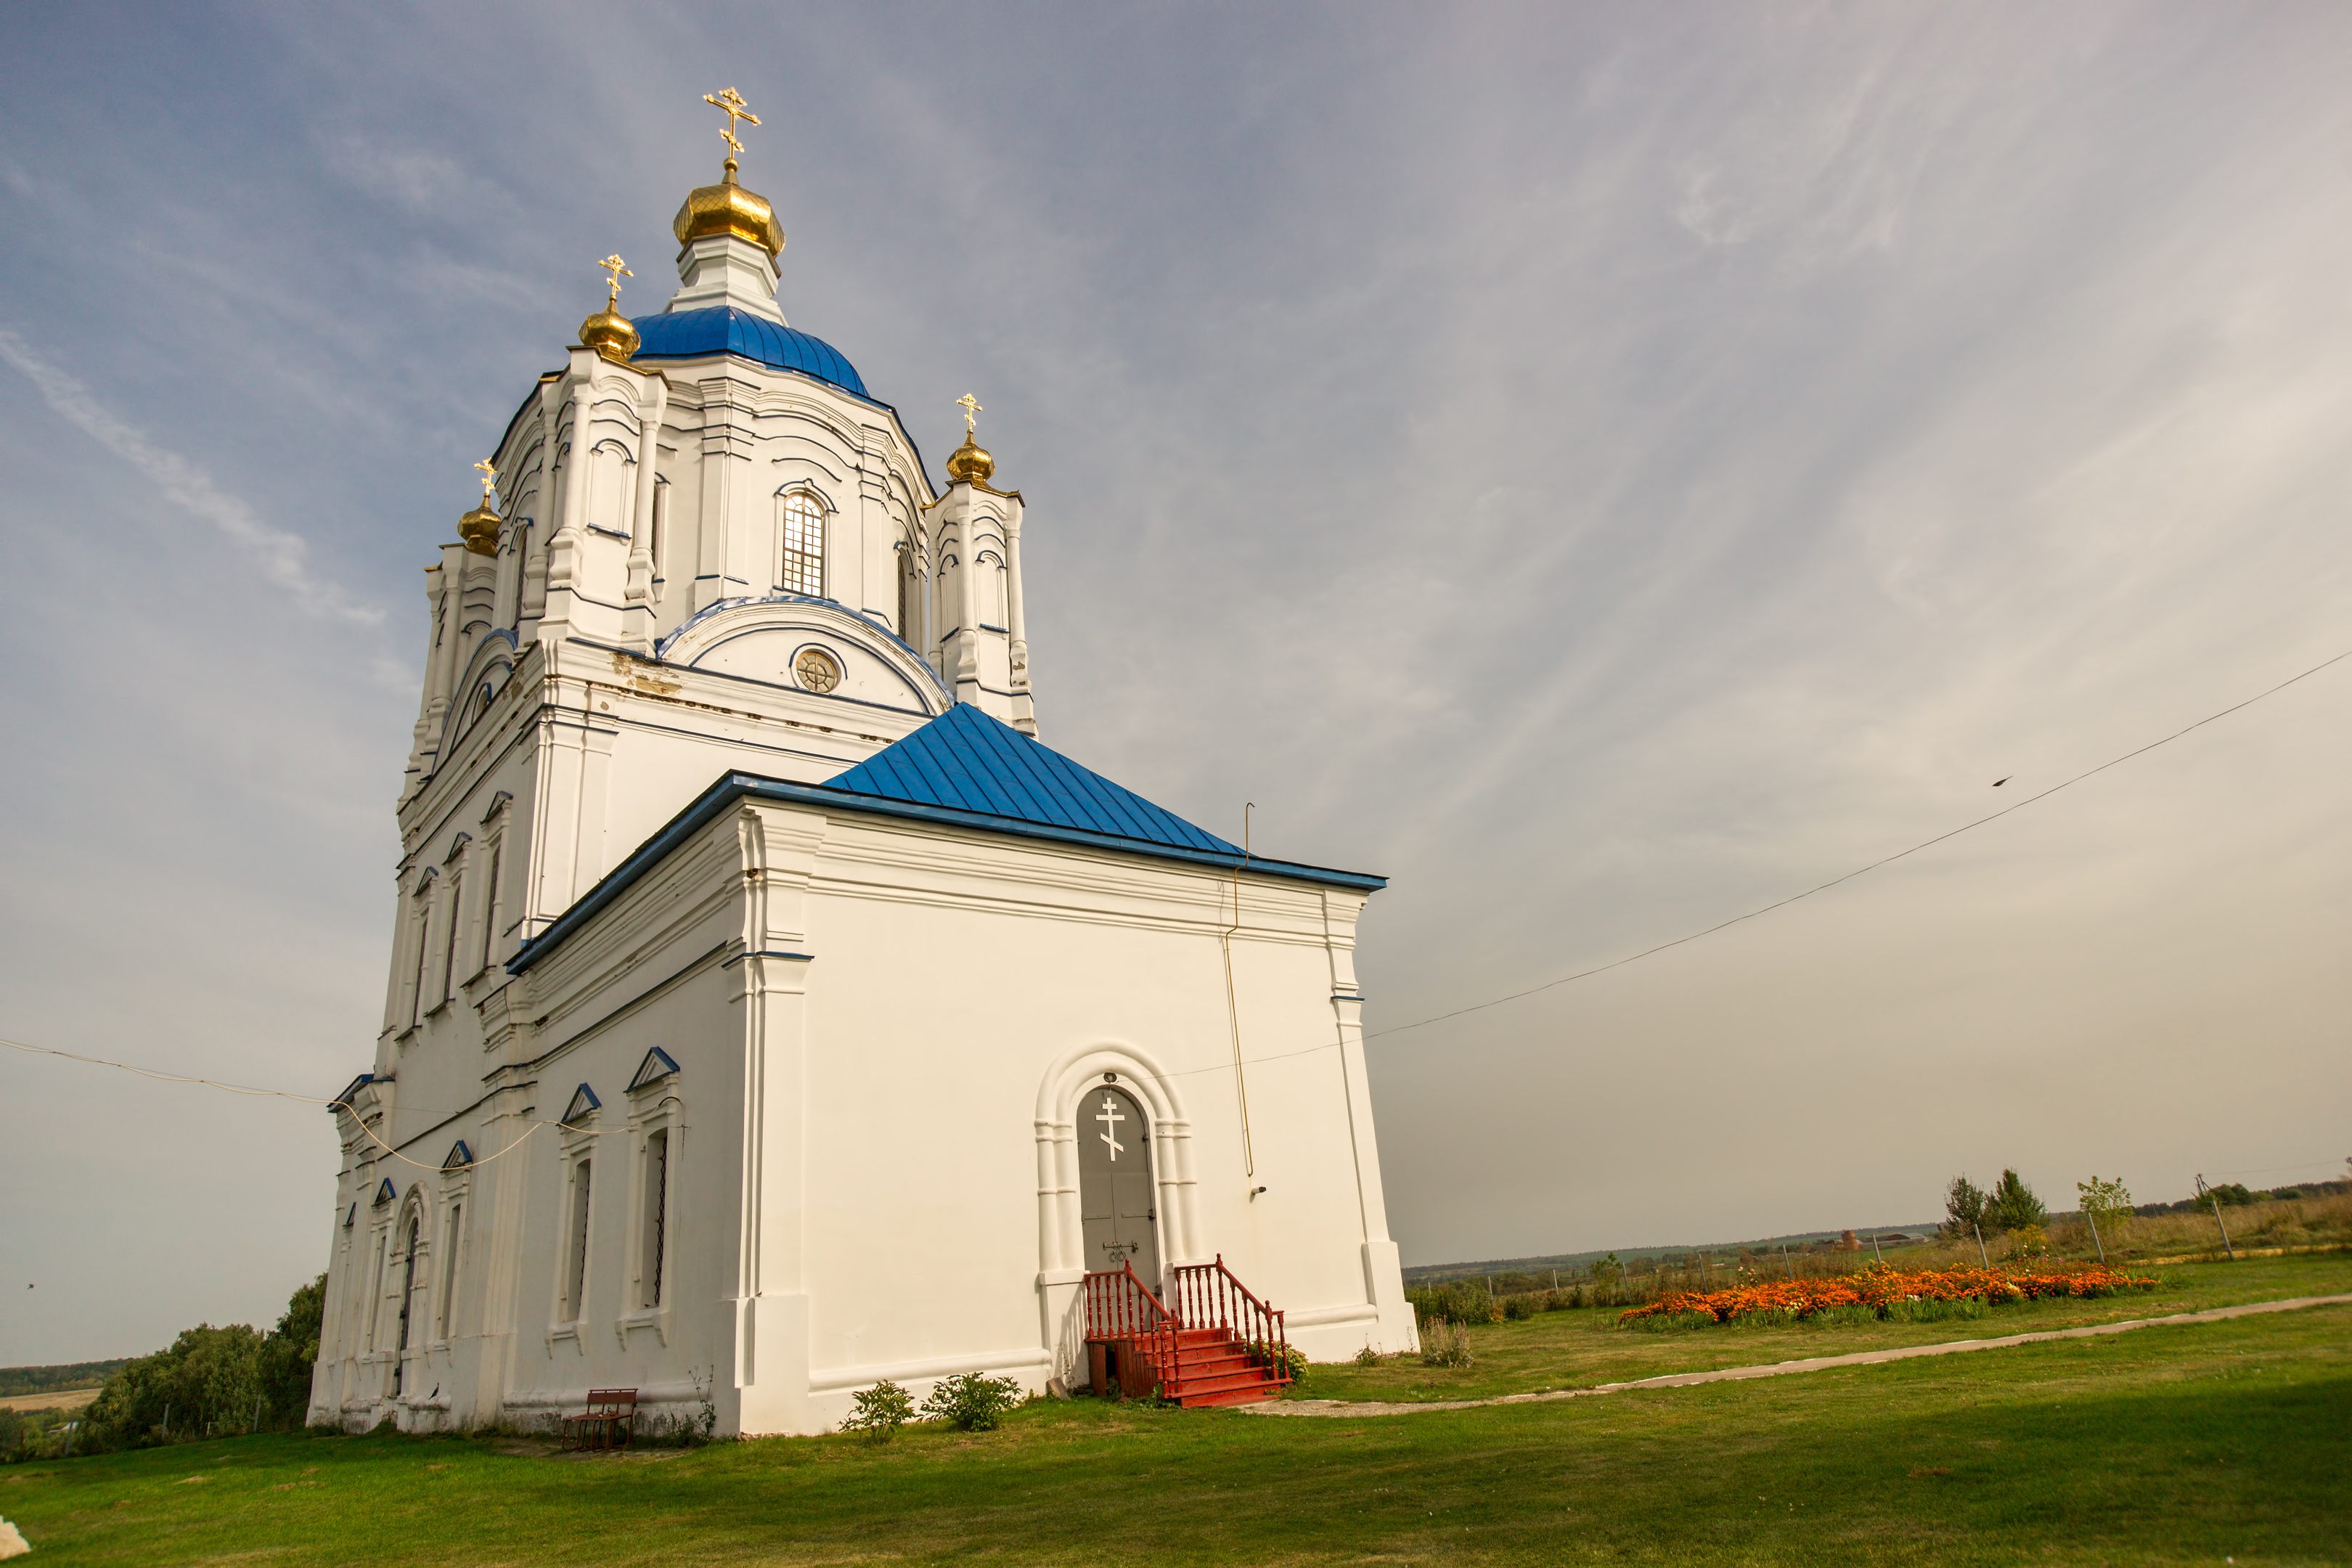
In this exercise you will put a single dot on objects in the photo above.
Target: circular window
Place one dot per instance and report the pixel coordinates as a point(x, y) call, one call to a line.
point(816, 670)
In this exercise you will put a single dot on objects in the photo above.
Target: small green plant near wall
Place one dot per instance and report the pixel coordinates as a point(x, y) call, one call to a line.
point(1444, 1344)
point(880, 1411)
point(972, 1401)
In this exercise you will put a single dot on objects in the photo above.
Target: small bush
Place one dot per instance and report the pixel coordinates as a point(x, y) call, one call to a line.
point(880, 1411)
point(1518, 1309)
point(1368, 1357)
point(972, 1401)
point(1288, 1359)
point(1444, 1344)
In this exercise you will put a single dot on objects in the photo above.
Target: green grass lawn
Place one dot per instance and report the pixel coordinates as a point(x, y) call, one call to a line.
point(2175, 1444)
point(1584, 1347)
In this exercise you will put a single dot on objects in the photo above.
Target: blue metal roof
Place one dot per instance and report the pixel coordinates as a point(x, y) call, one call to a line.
point(724, 329)
point(966, 760)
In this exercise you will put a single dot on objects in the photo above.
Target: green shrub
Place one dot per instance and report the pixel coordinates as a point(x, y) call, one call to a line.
point(1964, 1209)
point(1444, 1344)
point(1518, 1308)
point(972, 1401)
point(880, 1411)
point(1368, 1357)
point(2012, 1205)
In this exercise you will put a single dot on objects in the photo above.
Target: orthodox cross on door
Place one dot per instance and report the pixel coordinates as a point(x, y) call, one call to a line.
point(1110, 1118)
point(731, 103)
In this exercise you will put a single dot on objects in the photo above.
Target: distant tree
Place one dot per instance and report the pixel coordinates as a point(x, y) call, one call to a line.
point(2011, 1206)
point(1964, 1209)
point(289, 1352)
point(2108, 1204)
point(207, 1377)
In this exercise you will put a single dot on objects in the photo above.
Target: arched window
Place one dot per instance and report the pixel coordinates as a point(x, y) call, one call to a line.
point(800, 567)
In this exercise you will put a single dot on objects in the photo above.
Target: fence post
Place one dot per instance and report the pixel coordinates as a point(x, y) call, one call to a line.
point(2215, 1199)
point(167, 1419)
point(1875, 1253)
point(249, 1431)
point(1785, 1263)
point(2093, 1221)
point(1981, 1254)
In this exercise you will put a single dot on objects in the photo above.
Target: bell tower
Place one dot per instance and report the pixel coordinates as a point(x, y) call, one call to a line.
point(703, 547)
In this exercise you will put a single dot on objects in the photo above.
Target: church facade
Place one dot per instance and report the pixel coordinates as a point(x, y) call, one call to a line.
point(770, 1012)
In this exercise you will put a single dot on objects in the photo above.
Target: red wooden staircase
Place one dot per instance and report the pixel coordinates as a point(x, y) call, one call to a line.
point(1211, 1342)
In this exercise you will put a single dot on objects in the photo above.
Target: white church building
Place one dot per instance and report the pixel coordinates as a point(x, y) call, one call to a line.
point(771, 1013)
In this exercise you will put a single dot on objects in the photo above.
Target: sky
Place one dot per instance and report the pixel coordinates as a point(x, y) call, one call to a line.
point(1605, 467)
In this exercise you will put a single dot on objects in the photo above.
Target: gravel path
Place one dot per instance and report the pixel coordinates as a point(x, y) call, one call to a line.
point(1777, 1369)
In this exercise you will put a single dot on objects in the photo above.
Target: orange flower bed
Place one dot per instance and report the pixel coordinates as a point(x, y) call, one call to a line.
point(1880, 1288)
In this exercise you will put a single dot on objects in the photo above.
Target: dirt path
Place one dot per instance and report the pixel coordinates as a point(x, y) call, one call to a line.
point(1778, 1369)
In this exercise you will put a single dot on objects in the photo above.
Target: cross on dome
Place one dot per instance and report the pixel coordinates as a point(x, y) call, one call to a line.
point(619, 270)
point(730, 103)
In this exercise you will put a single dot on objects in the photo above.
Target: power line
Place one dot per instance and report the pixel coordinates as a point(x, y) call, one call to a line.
point(1874, 865)
point(342, 1105)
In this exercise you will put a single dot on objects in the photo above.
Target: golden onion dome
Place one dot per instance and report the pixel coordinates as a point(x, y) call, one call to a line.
point(610, 333)
point(969, 464)
point(480, 529)
point(727, 209)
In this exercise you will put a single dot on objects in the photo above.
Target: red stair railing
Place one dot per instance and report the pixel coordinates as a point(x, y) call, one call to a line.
point(1121, 1309)
point(1207, 1296)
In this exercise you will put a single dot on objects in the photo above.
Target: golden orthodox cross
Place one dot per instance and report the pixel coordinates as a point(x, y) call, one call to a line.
point(730, 103)
point(489, 478)
point(971, 405)
point(614, 265)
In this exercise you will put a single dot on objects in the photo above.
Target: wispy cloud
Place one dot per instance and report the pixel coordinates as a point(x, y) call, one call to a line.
point(189, 487)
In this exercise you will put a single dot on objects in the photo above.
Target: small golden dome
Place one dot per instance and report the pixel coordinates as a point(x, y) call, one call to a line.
point(480, 529)
point(611, 334)
point(727, 209)
point(969, 464)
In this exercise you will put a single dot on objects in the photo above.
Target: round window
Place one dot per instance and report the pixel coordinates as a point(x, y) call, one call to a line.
point(816, 670)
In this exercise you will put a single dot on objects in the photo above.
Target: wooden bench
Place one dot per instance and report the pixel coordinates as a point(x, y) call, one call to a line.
point(609, 1421)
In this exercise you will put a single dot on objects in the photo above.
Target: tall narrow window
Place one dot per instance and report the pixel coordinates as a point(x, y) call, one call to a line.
point(574, 1309)
point(423, 932)
point(450, 942)
point(407, 1294)
point(802, 567)
point(449, 1272)
point(649, 1262)
point(490, 909)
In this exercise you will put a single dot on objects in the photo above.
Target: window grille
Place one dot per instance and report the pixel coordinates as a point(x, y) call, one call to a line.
point(801, 570)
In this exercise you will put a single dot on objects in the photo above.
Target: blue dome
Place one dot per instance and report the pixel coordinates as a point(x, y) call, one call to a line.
point(724, 329)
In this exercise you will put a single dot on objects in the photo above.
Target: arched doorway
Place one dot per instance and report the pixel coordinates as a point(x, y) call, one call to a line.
point(1118, 1200)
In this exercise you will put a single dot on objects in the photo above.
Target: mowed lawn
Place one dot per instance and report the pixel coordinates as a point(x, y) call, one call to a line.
point(2182, 1445)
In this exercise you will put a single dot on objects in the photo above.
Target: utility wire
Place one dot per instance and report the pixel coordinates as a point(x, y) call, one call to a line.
point(1874, 865)
point(279, 1094)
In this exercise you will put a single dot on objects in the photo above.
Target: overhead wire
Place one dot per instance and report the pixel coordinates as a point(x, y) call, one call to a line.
point(1370, 1035)
point(283, 1094)
point(1859, 870)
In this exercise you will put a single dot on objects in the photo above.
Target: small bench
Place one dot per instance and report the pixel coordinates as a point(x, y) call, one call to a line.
point(609, 1421)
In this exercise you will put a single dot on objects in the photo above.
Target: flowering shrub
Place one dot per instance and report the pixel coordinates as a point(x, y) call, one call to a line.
point(1882, 1293)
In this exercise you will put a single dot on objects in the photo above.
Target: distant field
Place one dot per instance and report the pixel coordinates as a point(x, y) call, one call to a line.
point(2179, 1445)
point(1579, 1348)
point(71, 1399)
